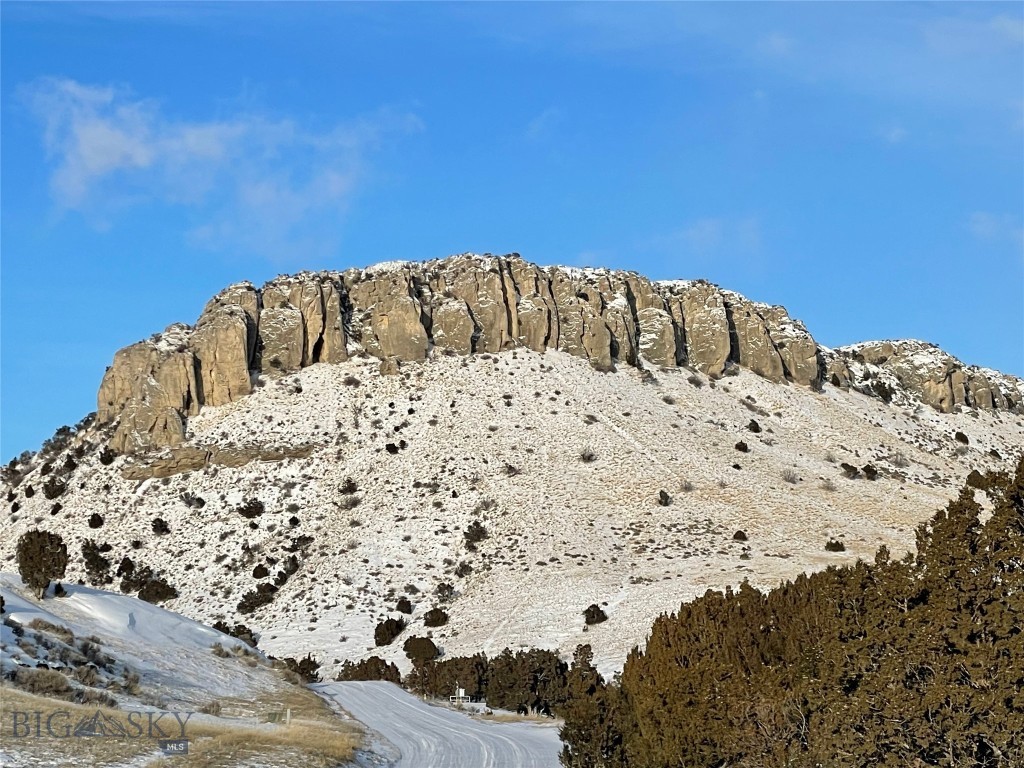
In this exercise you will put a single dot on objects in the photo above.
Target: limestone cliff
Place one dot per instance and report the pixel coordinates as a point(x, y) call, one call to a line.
point(408, 311)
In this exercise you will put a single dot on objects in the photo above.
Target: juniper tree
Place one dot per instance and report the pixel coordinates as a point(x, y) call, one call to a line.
point(42, 557)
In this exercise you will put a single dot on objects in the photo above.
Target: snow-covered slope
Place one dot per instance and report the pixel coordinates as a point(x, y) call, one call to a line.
point(96, 656)
point(561, 464)
point(170, 653)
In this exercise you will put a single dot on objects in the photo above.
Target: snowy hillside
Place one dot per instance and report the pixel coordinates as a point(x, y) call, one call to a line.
point(342, 489)
point(96, 654)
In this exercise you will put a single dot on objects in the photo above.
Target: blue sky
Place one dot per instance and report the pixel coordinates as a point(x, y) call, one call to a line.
point(860, 163)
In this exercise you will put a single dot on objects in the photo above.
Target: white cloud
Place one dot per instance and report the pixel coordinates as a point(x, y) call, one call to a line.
point(775, 45)
point(997, 227)
point(714, 237)
point(542, 125)
point(955, 36)
point(894, 133)
point(252, 184)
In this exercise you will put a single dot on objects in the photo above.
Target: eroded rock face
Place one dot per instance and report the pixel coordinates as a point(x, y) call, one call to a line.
point(453, 327)
point(934, 377)
point(220, 346)
point(388, 313)
point(152, 388)
point(282, 343)
point(405, 312)
point(700, 307)
point(659, 337)
point(752, 346)
point(802, 360)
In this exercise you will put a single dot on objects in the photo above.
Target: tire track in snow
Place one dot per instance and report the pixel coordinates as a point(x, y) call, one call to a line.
point(435, 737)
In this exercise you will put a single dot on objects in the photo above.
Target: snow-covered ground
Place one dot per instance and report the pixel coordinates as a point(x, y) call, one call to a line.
point(425, 735)
point(499, 439)
point(136, 664)
point(171, 653)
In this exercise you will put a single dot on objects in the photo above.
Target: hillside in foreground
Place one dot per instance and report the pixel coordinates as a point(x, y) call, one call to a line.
point(112, 676)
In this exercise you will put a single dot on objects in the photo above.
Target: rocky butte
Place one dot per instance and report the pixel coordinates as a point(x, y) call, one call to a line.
point(408, 311)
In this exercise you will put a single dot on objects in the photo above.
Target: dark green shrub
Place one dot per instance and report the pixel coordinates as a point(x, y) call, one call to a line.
point(156, 590)
point(53, 488)
point(251, 509)
point(475, 532)
point(594, 614)
point(373, 668)
point(97, 567)
point(420, 649)
point(387, 630)
point(306, 668)
point(435, 617)
point(42, 557)
point(256, 598)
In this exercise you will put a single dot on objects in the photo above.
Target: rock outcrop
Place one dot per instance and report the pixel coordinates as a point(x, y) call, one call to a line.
point(934, 377)
point(405, 312)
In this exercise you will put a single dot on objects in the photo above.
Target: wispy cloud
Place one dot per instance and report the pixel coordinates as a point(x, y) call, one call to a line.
point(775, 44)
point(543, 124)
point(894, 133)
point(251, 183)
point(713, 237)
point(959, 36)
point(997, 228)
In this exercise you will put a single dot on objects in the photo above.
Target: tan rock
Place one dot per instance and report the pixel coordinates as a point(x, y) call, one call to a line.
point(453, 327)
point(243, 295)
point(389, 366)
point(303, 292)
point(480, 284)
point(151, 387)
point(658, 336)
point(538, 316)
point(172, 462)
point(582, 330)
point(798, 350)
point(388, 314)
point(220, 345)
point(282, 339)
point(922, 369)
point(536, 310)
point(334, 348)
point(144, 427)
point(837, 372)
point(237, 456)
point(705, 327)
point(754, 348)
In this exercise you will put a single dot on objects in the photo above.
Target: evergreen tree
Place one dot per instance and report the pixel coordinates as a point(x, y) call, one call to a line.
point(42, 557)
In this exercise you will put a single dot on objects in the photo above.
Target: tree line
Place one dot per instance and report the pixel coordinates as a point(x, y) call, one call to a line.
point(910, 662)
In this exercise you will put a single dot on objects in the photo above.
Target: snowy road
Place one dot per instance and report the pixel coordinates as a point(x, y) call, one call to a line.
point(435, 737)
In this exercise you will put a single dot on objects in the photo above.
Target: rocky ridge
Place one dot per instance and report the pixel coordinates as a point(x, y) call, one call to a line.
point(408, 311)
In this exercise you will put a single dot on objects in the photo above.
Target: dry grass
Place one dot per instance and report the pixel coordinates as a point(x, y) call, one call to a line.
point(308, 744)
point(64, 751)
point(316, 738)
point(63, 634)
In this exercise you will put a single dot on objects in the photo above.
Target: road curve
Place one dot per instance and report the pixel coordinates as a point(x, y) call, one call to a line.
point(434, 737)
